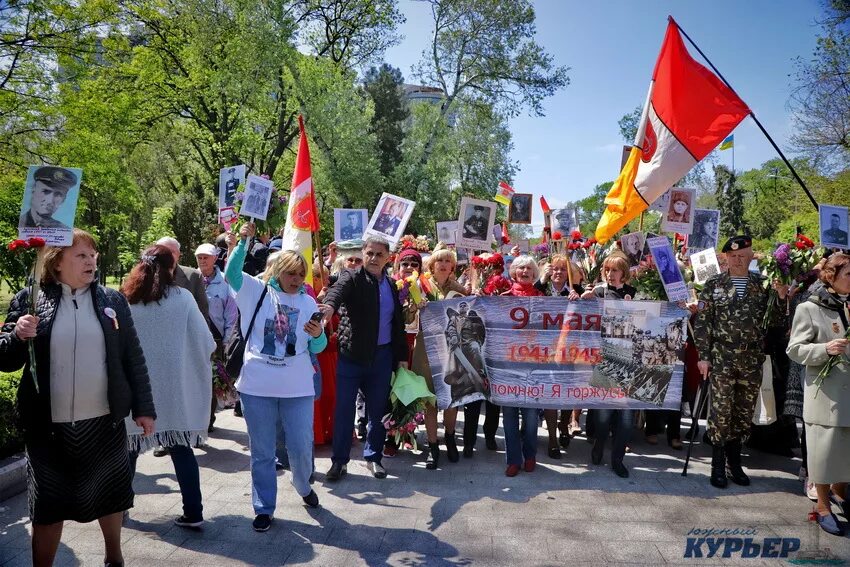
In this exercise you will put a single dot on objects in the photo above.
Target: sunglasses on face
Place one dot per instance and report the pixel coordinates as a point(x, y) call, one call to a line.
point(356, 260)
point(409, 265)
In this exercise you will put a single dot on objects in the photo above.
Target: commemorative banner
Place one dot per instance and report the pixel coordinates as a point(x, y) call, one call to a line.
point(545, 352)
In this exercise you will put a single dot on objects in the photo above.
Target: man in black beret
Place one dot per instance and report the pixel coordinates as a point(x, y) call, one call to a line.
point(49, 190)
point(729, 336)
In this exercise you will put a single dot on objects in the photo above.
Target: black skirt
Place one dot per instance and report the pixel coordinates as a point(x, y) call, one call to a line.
point(82, 473)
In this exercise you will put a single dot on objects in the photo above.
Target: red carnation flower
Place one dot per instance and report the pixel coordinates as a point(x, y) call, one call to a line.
point(576, 235)
point(496, 260)
point(800, 245)
point(15, 244)
point(36, 242)
point(556, 235)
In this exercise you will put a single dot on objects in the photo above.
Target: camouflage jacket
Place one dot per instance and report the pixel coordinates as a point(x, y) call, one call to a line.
point(730, 323)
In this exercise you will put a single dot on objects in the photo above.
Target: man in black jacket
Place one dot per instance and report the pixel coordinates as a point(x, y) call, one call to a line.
point(372, 344)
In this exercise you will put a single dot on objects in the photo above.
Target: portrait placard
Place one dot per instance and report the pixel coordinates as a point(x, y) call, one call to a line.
point(350, 224)
point(446, 231)
point(706, 230)
point(230, 179)
point(50, 204)
point(833, 226)
point(257, 194)
point(564, 220)
point(476, 221)
point(679, 216)
point(705, 265)
point(668, 269)
point(632, 245)
point(519, 211)
point(390, 218)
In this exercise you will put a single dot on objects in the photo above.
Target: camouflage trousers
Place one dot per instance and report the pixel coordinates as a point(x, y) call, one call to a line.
point(733, 392)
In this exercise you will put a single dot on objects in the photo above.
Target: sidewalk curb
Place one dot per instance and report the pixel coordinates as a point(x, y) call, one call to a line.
point(13, 476)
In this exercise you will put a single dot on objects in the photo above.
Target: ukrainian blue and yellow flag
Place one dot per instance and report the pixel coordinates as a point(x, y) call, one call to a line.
point(729, 142)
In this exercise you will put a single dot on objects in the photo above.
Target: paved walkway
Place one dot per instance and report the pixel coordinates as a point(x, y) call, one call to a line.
point(468, 513)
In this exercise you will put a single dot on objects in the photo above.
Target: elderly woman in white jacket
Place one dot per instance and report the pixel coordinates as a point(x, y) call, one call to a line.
point(819, 333)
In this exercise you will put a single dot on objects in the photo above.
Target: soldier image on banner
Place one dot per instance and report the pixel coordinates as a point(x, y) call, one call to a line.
point(49, 204)
point(729, 337)
point(465, 335)
point(230, 179)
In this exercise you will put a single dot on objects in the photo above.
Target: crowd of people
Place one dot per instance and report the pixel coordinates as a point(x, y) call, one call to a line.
point(312, 350)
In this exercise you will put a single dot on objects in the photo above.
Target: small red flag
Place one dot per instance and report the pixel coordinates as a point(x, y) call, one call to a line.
point(544, 205)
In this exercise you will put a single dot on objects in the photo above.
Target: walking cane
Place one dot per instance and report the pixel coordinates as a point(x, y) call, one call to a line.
point(702, 394)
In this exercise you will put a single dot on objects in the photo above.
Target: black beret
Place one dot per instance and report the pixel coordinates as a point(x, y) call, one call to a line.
point(737, 243)
point(56, 177)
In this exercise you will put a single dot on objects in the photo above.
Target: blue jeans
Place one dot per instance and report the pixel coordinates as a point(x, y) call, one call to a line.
point(374, 381)
point(520, 448)
point(280, 451)
point(623, 422)
point(262, 415)
point(188, 478)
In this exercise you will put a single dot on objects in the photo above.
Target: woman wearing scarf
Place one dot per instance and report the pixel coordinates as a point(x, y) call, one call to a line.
point(521, 451)
point(818, 334)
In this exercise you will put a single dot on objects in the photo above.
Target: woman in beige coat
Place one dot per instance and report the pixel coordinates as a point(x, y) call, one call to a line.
point(820, 331)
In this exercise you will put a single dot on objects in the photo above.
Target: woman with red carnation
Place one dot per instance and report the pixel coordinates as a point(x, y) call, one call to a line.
point(521, 448)
point(91, 373)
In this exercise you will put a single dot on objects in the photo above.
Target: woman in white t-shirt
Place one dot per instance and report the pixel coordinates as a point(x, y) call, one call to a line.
point(276, 381)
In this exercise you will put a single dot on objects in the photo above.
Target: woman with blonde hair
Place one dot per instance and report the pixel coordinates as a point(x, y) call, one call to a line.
point(276, 381)
point(442, 284)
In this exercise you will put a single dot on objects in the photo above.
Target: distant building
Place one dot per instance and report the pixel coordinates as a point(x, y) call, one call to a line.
point(414, 94)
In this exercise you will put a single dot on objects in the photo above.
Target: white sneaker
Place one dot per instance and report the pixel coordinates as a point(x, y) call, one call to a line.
point(377, 469)
point(810, 491)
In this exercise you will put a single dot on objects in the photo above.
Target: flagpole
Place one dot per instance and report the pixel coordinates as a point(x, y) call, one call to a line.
point(752, 115)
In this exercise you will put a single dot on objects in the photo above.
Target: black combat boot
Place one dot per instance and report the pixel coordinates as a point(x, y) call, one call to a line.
point(718, 467)
point(451, 448)
point(433, 460)
point(733, 455)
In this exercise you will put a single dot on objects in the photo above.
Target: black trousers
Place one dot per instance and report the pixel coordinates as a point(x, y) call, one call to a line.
point(471, 413)
point(659, 420)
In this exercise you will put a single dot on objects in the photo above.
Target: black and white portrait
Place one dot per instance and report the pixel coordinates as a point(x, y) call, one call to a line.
point(679, 216)
point(390, 218)
point(833, 226)
point(349, 224)
point(446, 231)
point(258, 192)
point(49, 204)
point(476, 220)
point(632, 245)
point(706, 230)
point(519, 211)
point(230, 179)
point(564, 220)
point(705, 265)
point(668, 268)
point(465, 334)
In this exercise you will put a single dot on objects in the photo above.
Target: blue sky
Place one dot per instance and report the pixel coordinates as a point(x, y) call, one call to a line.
point(611, 48)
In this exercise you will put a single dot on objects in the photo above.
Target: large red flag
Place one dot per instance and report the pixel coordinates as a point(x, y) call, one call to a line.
point(303, 216)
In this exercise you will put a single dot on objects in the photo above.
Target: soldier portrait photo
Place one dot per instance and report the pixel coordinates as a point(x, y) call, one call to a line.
point(466, 372)
point(49, 203)
point(230, 179)
point(705, 232)
point(476, 221)
point(446, 231)
point(349, 224)
point(564, 220)
point(390, 218)
point(258, 192)
point(833, 226)
point(519, 211)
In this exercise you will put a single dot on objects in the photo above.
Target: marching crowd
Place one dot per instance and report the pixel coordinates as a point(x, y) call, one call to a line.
point(117, 372)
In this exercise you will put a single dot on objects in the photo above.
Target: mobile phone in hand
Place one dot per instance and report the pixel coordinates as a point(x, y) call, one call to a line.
point(317, 316)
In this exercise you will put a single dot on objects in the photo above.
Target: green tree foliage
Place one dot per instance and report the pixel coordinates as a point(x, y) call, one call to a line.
point(730, 201)
point(384, 87)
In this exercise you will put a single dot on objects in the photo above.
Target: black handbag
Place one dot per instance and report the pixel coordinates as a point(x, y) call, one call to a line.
point(234, 350)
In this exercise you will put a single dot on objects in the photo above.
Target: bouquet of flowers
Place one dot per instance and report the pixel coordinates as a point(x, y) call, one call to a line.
point(789, 265)
point(647, 281)
point(408, 397)
point(488, 268)
point(497, 284)
point(413, 286)
point(223, 385)
point(28, 253)
point(418, 243)
point(540, 250)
